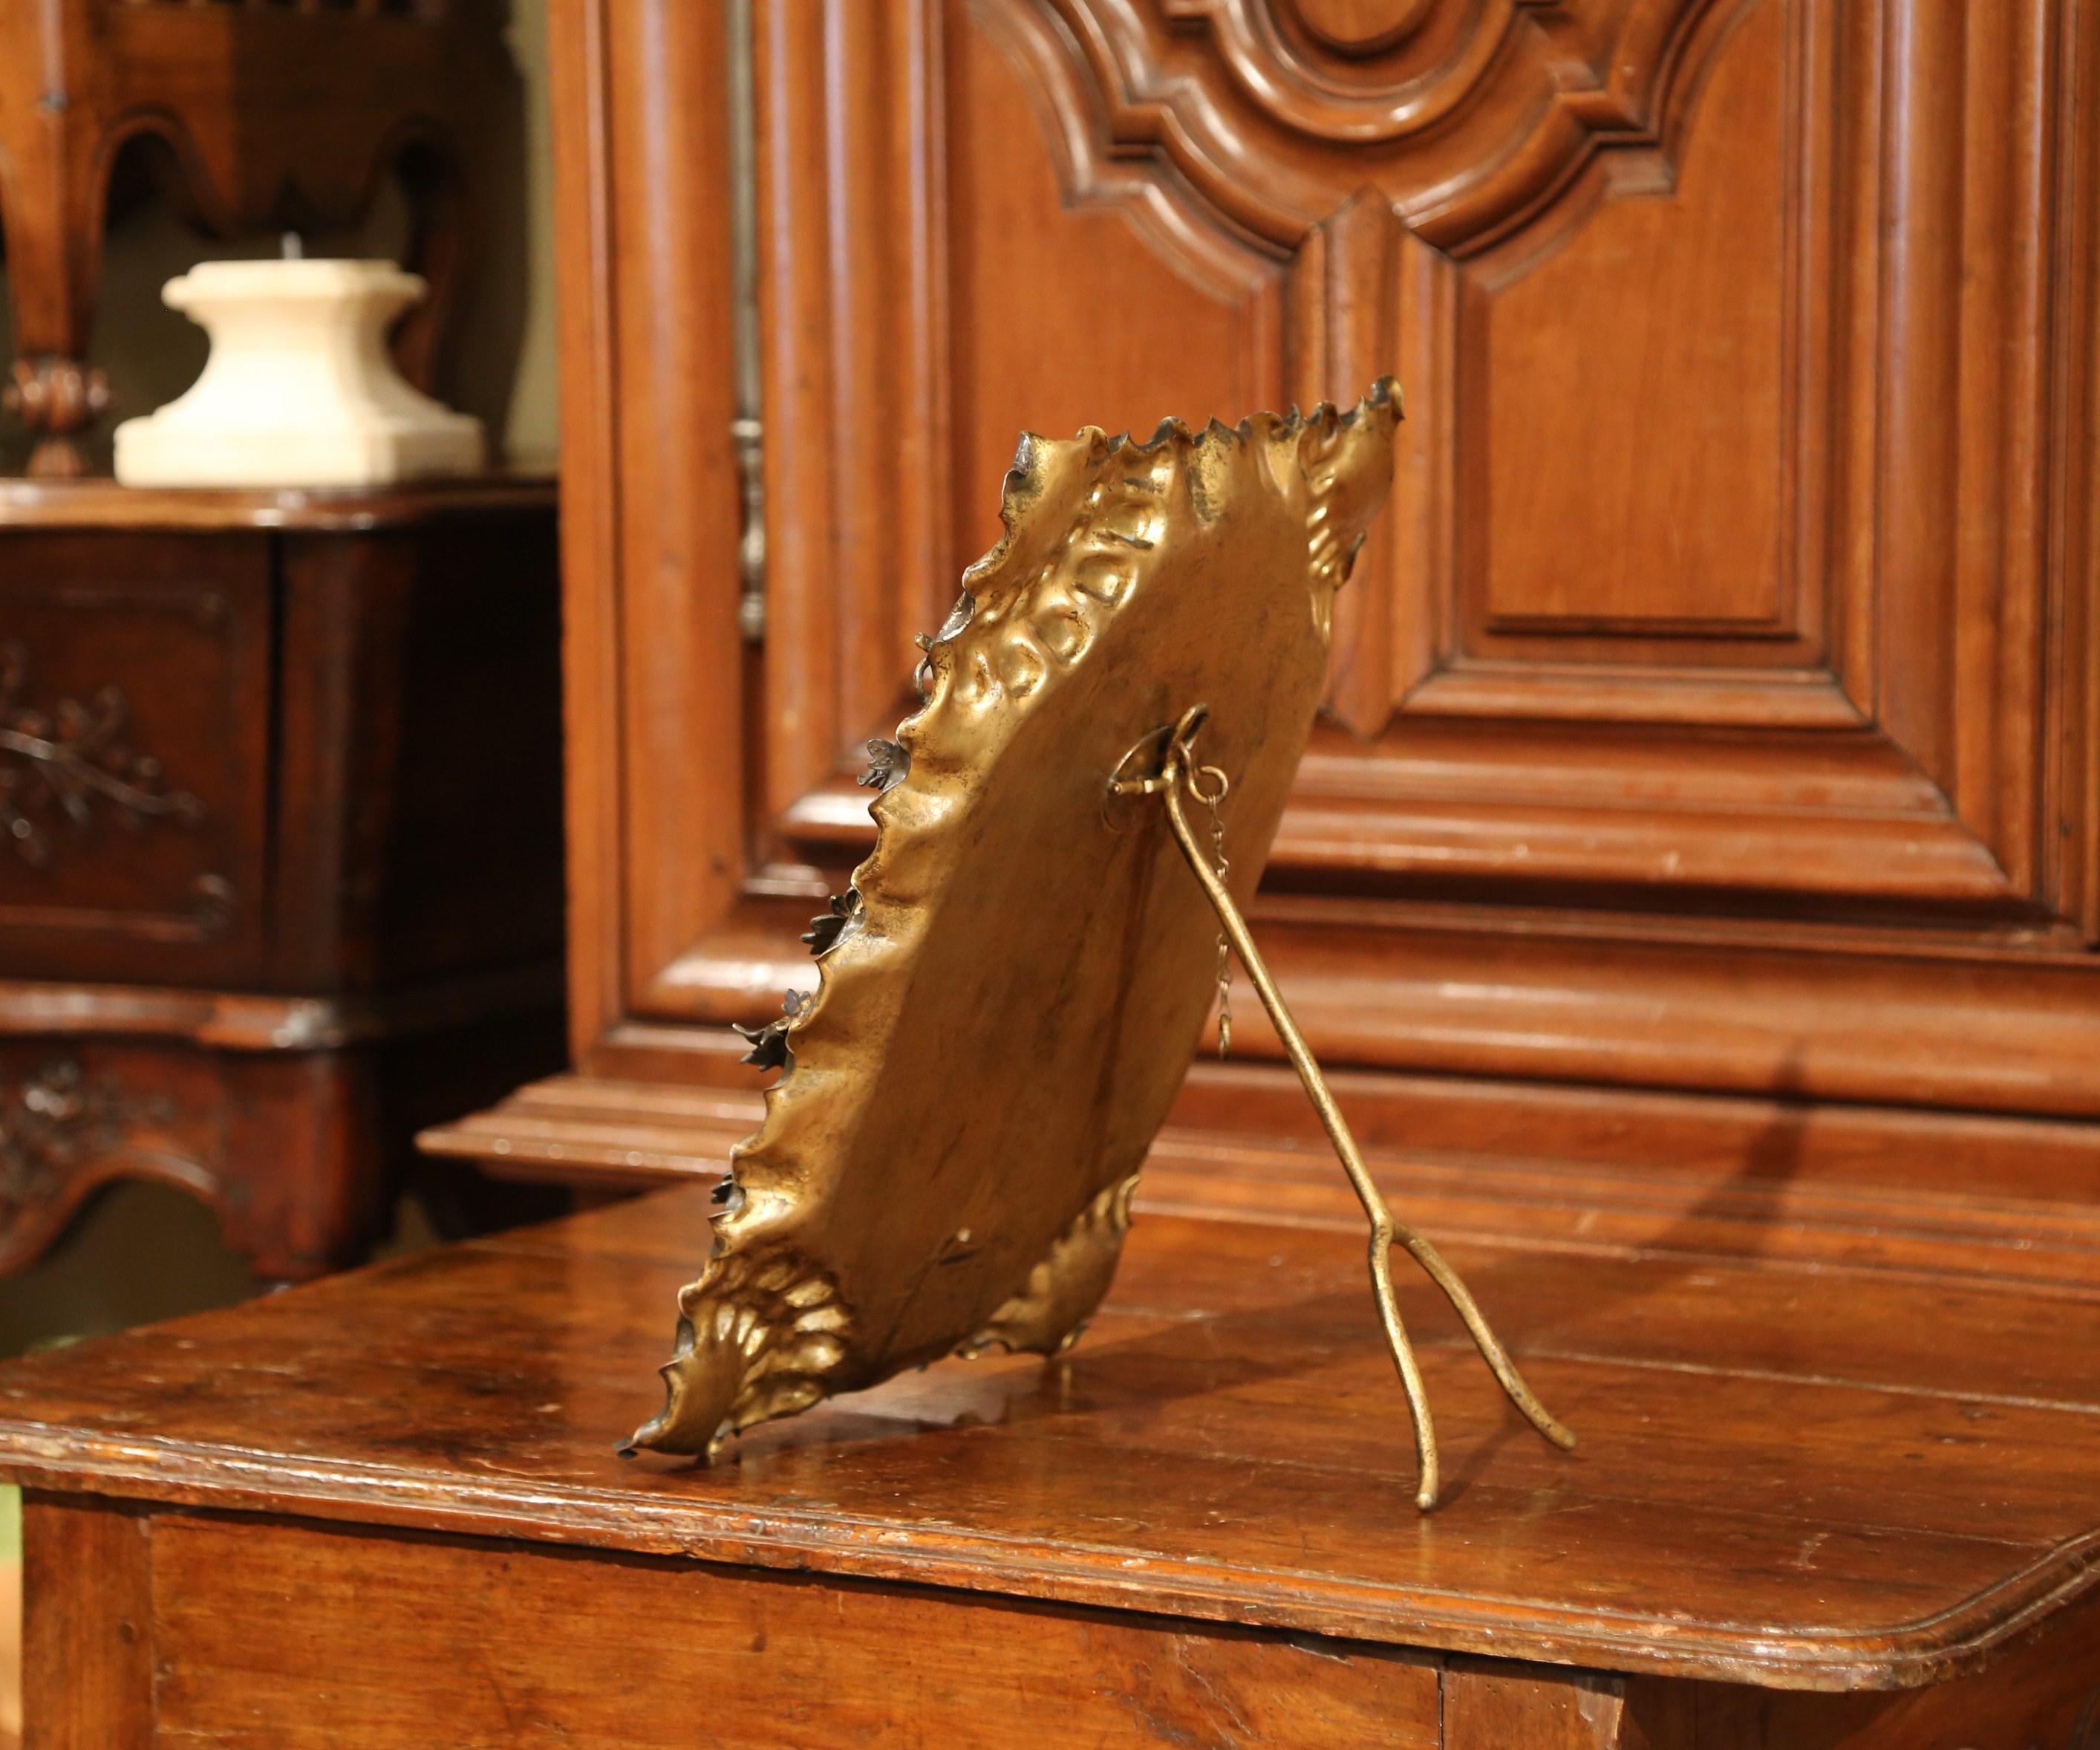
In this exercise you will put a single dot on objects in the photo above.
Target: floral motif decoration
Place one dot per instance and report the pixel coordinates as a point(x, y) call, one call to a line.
point(55, 1120)
point(72, 763)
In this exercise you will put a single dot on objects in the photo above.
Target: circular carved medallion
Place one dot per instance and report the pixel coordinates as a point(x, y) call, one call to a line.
point(1359, 26)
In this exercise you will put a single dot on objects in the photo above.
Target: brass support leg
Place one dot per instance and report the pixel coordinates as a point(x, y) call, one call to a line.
point(1175, 771)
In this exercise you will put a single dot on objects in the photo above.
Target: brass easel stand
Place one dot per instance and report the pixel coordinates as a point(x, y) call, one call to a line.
point(1179, 769)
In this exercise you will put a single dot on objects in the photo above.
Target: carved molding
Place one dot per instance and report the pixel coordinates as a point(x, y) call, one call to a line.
point(1174, 111)
point(1223, 139)
point(1516, 810)
point(57, 1120)
point(1175, 220)
point(1338, 26)
point(71, 762)
point(1434, 159)
point(1465, 128)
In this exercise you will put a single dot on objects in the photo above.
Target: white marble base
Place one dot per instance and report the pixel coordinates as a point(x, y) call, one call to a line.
point(300, 389)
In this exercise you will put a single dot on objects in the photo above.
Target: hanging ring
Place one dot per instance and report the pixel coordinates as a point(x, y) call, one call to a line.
point(1174, 757)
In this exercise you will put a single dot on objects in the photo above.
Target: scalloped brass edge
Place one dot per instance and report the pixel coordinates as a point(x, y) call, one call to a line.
point(1074, 549)
point(1050, 1312)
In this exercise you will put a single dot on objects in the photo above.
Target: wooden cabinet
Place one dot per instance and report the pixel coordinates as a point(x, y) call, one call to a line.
point(1714, 713)
point(280, 843)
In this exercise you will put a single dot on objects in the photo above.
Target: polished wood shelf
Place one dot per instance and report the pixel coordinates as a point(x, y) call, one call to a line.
point(101, 503)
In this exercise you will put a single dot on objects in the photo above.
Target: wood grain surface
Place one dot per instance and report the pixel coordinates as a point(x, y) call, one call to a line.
point(283, 1637)
point(1715, 708)
point(90, 1621)
point(1499, 1707)
point(1790, 1473)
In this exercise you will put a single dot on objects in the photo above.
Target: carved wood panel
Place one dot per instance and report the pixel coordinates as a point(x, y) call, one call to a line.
point(1734, 599)
point(71, 1122)
point(135, 710)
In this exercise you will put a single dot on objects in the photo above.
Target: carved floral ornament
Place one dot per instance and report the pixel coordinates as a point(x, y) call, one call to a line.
point(1466, 115)
point(57, 1120)
point(69, 762)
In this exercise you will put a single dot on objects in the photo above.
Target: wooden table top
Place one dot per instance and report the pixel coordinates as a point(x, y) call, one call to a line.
point(1791, 1472)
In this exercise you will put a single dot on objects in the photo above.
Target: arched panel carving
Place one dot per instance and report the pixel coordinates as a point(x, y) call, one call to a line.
point(1476, 112)
point(1023, 211)
point(1173, 217)
point(984, 134)
point(1170, 110)
point(1690, 585)
point(1706, 588)
point(1358, 27)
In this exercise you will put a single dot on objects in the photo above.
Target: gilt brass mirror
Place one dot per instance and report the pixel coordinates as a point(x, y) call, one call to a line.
point(1008, 995)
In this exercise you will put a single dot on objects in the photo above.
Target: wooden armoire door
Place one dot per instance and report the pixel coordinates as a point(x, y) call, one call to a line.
point(1714, 712)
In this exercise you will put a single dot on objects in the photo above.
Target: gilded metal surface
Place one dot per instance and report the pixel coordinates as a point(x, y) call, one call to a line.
point(1047, 1317)
point(1009, 996)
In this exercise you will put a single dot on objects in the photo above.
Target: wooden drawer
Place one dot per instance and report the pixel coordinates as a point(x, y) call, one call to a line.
point(135, 706)
point(278, 1636)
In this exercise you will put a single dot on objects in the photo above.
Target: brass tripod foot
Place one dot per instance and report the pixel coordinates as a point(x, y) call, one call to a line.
point(1178, 770)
